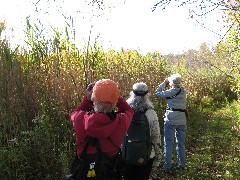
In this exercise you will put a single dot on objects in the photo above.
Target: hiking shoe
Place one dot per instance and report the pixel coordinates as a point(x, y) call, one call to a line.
point(167, 171)
point(154, 177)
point(181, 168)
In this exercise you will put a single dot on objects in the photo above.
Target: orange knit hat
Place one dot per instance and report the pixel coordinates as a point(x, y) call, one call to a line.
point(105, 92)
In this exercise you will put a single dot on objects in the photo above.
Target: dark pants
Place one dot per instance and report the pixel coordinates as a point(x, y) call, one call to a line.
point(139, 172)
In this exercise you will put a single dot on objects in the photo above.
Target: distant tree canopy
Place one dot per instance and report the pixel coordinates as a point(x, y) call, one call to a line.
point(203, 7)
point(230, 8)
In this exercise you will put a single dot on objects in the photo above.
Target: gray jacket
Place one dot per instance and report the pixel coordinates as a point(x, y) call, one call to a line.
point(172, 114)
point(155, 135)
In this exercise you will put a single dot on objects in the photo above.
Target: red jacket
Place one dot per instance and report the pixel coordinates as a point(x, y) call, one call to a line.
point(110, 133)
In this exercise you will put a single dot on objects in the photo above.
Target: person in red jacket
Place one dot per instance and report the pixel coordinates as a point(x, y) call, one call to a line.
point(96, 117)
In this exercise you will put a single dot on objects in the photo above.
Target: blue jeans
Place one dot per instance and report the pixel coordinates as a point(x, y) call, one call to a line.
point(170, 132)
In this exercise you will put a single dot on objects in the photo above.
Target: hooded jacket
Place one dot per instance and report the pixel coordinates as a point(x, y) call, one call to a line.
point(110, 133)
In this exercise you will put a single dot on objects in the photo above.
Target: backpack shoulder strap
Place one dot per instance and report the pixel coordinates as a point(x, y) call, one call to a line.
point(90, 141)
point(171, 97)
point(84, 151)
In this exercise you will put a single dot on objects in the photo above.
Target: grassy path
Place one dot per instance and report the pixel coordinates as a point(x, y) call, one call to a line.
point(213, 145)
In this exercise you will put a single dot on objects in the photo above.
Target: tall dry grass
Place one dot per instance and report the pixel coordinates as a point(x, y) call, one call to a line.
point(42, 83)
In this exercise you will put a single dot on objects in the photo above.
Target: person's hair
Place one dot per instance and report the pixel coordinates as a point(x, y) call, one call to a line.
point(175, 80)
point(139, 103)
point(101, 108)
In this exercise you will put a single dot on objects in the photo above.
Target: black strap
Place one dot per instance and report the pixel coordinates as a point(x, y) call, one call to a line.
point(110, 140)
point(181, 110)
point(174, 95)
point(140, 93)
point(173, 109)
point(91, 141)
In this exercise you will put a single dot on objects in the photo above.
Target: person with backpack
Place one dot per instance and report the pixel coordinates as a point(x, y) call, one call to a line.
point(141, 148)
point(99, 128)
point(174, 120)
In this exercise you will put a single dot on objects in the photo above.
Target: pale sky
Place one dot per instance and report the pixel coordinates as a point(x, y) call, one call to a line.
point(130, 24)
